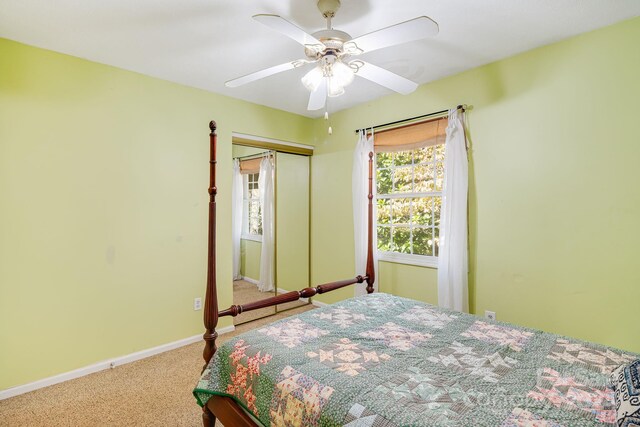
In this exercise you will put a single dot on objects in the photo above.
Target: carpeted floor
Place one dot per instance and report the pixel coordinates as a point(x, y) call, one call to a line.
point(152, 392)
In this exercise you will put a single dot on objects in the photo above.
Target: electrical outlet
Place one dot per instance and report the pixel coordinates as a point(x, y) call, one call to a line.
point(197, 304)
point(491, 315)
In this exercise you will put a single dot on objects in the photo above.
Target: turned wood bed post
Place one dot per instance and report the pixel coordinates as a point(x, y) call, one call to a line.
point(211, 297)
point(370, 269)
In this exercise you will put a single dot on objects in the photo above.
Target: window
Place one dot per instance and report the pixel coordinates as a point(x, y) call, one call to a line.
point(252, 222)
point(409, 199)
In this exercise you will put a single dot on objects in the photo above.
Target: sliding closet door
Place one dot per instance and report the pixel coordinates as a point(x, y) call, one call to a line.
point(292, 221)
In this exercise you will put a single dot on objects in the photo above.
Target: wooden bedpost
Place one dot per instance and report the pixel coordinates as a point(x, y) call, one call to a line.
point(371, 271)
point(211, 297)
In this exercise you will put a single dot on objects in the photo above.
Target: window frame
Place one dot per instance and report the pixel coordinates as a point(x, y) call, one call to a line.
point(246, 200)
point(430, 261)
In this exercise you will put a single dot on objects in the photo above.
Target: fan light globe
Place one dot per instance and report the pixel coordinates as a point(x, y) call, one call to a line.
point(312, 79)
point(338, 75)
point(342, 73)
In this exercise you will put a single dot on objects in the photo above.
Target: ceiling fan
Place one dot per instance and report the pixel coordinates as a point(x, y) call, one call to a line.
point(332, 51)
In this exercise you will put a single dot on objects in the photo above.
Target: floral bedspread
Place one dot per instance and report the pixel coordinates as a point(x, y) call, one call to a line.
point(384, 361)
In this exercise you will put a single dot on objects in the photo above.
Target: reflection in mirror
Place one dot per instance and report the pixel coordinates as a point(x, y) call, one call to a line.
point(265, 266)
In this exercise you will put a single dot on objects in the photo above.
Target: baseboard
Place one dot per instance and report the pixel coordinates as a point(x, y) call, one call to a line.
point(250, 280)
point(106, 364)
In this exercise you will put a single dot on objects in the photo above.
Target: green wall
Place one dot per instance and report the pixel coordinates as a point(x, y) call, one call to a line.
point(103, 201)
point(408, 281)
point(553, 209)
point(242, 150)
point(250, 251)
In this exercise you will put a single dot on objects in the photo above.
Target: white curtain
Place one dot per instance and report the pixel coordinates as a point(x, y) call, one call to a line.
point(265, 184)
point(237, 216)
point(360, 190)
point(453, 257)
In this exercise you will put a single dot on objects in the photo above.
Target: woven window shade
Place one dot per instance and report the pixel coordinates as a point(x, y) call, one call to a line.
point(411, 137)
point(250, 166)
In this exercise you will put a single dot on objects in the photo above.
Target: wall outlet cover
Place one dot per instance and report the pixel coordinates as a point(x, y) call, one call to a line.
point(197, 303)
point(491, 315)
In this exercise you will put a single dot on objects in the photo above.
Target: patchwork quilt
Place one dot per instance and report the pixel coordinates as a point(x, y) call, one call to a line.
point(383, 361)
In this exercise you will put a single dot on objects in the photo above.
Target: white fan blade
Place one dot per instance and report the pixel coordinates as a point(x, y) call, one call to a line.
point(404, 32)
point(385, 78)
point(290, 30)
point(265, 73)
point(318, 97)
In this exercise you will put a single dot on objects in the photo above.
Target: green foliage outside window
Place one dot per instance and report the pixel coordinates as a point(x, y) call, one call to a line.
point(252, 199)
point(409, 200)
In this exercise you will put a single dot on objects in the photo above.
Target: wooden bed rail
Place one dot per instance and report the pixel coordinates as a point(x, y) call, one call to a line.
point(234, 310)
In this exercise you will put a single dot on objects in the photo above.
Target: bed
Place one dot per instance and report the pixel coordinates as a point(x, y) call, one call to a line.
point(383, 361)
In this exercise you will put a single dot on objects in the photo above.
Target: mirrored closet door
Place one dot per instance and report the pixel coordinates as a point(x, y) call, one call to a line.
point(270, 208)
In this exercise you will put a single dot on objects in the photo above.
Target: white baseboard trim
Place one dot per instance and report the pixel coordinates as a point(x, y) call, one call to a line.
point(105, 364)
point(250, 280)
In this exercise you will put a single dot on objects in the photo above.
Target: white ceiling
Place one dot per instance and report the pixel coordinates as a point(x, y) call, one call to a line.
point(203, 43)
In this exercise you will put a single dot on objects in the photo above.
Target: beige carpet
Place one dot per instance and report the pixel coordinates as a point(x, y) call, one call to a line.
point(244, 292)
point(150, 392)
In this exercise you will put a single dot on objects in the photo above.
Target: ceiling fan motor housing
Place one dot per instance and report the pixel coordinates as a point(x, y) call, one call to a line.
point(331, 39)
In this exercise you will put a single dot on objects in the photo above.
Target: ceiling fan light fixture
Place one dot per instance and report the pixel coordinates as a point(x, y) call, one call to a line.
point(342, 73)
point(338, 75)
point(313, 78)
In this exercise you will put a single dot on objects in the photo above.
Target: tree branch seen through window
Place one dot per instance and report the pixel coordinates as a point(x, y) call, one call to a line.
point(252, 216)
point(409, 199)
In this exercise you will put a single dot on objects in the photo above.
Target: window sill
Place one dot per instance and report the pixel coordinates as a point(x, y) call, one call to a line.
point(252, 237)
point(409, 259)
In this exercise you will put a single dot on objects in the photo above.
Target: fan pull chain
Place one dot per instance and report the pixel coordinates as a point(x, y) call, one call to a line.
point(326, 117)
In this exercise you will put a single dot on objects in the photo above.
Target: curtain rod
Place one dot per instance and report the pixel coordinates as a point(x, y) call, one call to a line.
point(255, 156)
point(437, 113)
